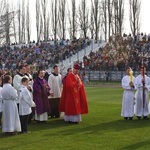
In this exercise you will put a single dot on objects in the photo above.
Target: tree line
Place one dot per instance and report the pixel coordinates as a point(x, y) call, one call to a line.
point(58, 18)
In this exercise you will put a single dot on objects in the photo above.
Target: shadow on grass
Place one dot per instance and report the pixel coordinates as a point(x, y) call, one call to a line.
point(137, 145)
point(34, 126)
point(117, 125)
point(92, 127)
point(50, 124)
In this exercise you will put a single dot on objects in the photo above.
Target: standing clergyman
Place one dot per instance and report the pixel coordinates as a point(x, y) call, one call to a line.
point(128, 82)
point(40, 97)
point(55, 83)
point(73, 100)
point(142, 83)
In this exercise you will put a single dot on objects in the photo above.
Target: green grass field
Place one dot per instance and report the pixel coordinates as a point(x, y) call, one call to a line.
point(102, 129)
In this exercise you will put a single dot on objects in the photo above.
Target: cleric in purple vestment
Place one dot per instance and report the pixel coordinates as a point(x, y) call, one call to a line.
point(40, 97)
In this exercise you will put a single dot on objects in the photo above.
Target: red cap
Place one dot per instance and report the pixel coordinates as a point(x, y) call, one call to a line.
point(76, 66)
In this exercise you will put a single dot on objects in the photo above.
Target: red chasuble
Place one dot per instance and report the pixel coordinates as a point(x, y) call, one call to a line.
point(73, 100)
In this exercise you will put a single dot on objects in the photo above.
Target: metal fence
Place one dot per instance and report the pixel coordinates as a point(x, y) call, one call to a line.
point(108, 76)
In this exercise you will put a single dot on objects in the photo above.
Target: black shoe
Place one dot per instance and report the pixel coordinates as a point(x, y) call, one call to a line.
point(57, 116)
point(25, 132)
point(29, 121)
point(125, 118)
point(145, 117)
point(73, 122)
point(37, 121)
point(139, 117)
point(130, 118)
point(10, 133)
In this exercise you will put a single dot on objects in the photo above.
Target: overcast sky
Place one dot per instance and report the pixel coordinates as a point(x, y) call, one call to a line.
point(145, 17)
point(145, 21)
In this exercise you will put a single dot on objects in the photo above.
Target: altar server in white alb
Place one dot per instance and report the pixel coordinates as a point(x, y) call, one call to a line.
point(128, 84)
point(142, 83)
point(55, 83)
point(30, 87)
point(26, 102)
point(17, 80)
point(11, 121)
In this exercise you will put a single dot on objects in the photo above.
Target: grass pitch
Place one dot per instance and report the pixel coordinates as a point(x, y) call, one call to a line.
point(102, 129)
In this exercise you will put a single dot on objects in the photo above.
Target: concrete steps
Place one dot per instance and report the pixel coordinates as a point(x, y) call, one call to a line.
point(65, 64)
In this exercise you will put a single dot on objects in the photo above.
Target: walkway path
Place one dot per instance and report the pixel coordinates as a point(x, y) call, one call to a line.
point(79, 56)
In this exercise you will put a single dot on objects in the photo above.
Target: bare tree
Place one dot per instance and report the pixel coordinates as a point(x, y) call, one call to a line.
point(73, 19)
point(48, 26)
point(96, 12)
point(104, 8)
point(19, 21)
point(41, 28)
point(54, 5)
point(14, 25)
point(7, 25)
point(28, 28)
point(134, 10)
point(118, 15)
point(92, 26)
point(110, 16)
point(6, 18)
point(62, 19)
point(2, 21)
point(45, 19)
point(84, 17)
point(38, 20)
point(23, 22)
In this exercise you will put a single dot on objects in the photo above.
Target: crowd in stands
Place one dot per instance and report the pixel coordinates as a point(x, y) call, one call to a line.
point(119, 52)
point(41, 54)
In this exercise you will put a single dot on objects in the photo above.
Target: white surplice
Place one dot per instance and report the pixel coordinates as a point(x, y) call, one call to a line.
point(11, 121)
point(26, 101)
point(128, 97)
point(55, 84)
point(141, 106)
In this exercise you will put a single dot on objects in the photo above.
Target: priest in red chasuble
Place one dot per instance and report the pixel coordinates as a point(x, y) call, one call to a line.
point(73, 100)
